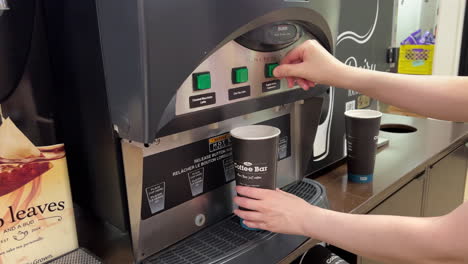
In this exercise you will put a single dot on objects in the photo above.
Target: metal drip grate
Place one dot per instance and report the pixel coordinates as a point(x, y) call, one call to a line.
point(79, 256)
point(307, 189)
point(210, 244)
point(227, 238)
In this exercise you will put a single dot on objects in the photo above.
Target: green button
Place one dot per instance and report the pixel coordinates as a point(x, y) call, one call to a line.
point(269, 69)
point(240, 75)
point(201, 81)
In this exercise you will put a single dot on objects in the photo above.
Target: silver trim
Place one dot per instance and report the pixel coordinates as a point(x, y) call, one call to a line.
point(133, 168)
point(297, 147)
point(322, 138)
point(211, 130)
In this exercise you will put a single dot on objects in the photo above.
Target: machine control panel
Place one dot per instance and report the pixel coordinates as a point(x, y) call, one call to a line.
point(239, 70)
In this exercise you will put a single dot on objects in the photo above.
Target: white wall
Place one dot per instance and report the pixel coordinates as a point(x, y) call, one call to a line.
point(448, 18)
point(408, 19)
point(429, 14)
point(449, 36)
point(413, 15)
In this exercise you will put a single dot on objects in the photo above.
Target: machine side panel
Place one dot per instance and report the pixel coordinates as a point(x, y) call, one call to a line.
point(372, 22)
point(122, 43)
point(96, 173)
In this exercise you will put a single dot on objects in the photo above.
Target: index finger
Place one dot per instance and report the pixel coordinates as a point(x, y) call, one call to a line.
point(251, 192)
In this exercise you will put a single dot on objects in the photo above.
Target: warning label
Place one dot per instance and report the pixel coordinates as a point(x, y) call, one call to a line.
point(220, 142)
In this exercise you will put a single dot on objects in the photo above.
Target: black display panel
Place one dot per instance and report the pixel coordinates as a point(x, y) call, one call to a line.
point(173, 177)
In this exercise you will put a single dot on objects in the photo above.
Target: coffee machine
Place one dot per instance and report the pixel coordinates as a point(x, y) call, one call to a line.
point(159, 85)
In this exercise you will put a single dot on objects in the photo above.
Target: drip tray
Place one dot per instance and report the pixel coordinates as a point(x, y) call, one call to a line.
point(228, 242)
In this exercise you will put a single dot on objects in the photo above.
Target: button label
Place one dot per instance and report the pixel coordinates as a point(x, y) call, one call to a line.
point(241, 92)
point(271, 86)
point(202, 100)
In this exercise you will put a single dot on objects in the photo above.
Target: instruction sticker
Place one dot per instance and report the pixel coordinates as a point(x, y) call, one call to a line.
point(351, 105)
point(228, 165)
point(196, 181)
point(283, 148)
point(156, 197)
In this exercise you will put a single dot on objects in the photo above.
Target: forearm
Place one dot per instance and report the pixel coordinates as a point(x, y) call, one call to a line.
point(433, 96)
point(390, 239)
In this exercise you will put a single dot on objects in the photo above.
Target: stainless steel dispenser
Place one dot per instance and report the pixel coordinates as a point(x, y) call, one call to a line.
point(176, 87)
point(180, 75)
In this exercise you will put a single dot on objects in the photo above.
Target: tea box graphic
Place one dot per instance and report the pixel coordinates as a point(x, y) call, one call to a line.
point(37, 222)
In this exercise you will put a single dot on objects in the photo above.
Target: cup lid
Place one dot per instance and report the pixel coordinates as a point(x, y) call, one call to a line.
point(255, 132)
point(363, 113)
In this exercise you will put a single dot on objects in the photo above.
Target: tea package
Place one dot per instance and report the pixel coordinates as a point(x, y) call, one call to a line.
point(37, 222)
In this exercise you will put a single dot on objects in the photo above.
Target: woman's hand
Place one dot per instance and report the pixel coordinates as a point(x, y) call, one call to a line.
point(274, 210)
point(308, 64)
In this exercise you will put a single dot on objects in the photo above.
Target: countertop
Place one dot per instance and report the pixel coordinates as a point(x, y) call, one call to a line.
point(404, 158)
point(399, 162)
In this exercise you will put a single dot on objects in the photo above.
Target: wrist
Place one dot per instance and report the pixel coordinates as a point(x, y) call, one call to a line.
point(336, 74)
point(344, 77)
point(311, 219)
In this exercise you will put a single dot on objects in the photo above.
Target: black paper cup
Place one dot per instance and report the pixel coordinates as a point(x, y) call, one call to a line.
point(362, 131)
point(255, 154)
